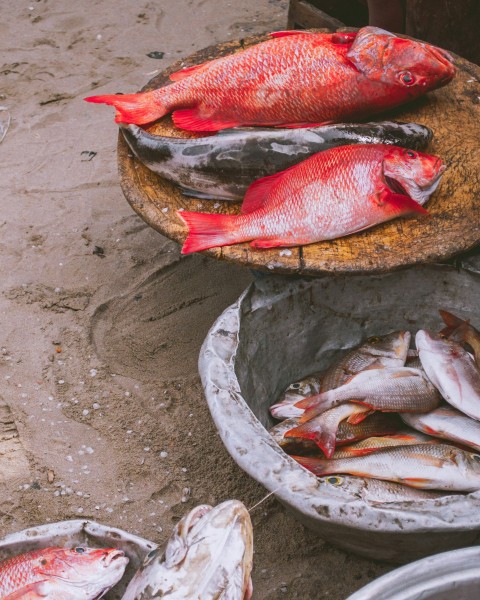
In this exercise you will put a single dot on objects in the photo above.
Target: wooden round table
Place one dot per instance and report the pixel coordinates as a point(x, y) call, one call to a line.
point(453, 226)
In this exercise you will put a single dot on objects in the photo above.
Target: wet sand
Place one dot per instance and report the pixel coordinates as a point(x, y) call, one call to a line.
point(102, 319)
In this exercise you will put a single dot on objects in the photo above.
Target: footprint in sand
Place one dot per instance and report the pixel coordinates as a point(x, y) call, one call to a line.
point(14, 463)
point(148, 333)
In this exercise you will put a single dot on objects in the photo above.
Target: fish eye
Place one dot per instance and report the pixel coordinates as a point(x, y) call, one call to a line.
point(407, 78)
point(410, 153)
point(79, 550)
point(476, 457)
point(334, 480)
point(373, 340)
point(295, 386)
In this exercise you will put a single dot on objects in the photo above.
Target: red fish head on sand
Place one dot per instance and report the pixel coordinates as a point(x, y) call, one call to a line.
point(410, 67)
point(80, 571)
point(412, 173)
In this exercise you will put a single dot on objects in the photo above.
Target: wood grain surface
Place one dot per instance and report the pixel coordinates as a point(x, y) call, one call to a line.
point(453, 226)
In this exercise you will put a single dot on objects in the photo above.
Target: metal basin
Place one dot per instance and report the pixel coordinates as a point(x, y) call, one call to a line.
point(72, 533)
point(445, 576)
point(281, 330)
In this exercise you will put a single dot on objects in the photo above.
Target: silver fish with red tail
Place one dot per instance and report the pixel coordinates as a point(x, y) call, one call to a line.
point(452, 371)
point(400, 389)
point(426, 466)
point(377, 352)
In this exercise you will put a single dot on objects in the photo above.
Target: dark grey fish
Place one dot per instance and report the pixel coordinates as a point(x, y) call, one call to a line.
point(222, 166)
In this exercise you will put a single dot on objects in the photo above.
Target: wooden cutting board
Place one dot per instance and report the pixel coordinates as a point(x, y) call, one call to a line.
point(453, 227)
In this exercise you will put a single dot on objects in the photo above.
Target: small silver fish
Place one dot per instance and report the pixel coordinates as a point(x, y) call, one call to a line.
point(209, 557)
point(224, 165)
point(376, 353)
point(425, 466)
point(452, 371)
point(390, 390)
point(447, 423)
point(285, 407)
point(373, 444)
point(377, 491)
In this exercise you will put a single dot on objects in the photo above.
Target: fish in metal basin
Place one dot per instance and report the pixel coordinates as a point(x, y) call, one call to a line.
point(452, 371)
point(373, 425)
point(223, 166)
point(61, 574)
point(401, 389)
point(296, 78)
point(377, 352)
point(373, 444)
point(426, 466)
point(377, 491)
point(209, 557)
point(284, 408)
point(447, 423)
point(332, 194)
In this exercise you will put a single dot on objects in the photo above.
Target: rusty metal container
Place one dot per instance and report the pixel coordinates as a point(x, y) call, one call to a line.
point(73, 533)
point(281, 330)
point(450, 575)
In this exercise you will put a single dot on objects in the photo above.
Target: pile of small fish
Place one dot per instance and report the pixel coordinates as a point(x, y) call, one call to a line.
point(208, 556)
point(297, 188)
point(383, 411)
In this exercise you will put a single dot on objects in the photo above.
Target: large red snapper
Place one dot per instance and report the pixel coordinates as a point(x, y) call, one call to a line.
point(61, 574)
point(331, 194)
point(297, 78)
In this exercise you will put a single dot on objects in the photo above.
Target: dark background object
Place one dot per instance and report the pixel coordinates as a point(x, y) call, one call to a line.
point(450, 24)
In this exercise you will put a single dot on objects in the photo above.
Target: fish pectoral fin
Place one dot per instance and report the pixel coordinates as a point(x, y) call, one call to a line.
point(400, 203)
point(258, 192)
point(357, 418)
point(278, 34)
point(416, 481)
point(190, 120)
point(34, 591)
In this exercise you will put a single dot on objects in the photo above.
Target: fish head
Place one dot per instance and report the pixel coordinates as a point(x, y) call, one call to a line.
point(413, 173)
point(209, 555)
point(284, 408)
point(392, 346)
point(90, 571)
point(412, 66)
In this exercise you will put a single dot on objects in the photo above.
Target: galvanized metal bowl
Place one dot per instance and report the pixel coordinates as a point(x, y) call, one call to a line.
point(454, 574)
point(69, 534)
point(281, 330)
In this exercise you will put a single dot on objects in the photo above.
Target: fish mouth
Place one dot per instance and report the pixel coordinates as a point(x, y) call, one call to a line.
point(445, 59)
point(113, 556)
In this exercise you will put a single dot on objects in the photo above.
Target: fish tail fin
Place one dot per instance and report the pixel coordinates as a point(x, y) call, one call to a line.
point(207, 230)
point(133, 108)
point(323, 434)
point(318, 466)
point(318, 405)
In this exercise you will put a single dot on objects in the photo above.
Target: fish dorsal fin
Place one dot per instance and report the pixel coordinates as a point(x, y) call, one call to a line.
point(184, 73)
point(277, 34)
point(258, 192)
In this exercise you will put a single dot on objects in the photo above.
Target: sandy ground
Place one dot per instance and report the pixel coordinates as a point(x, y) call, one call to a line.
point(102, 320)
